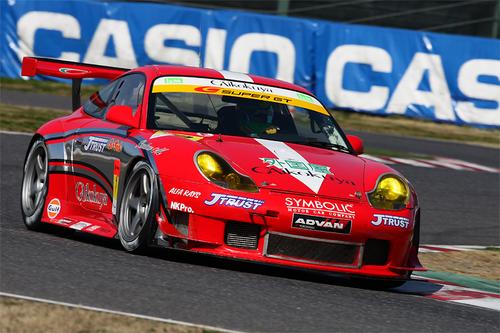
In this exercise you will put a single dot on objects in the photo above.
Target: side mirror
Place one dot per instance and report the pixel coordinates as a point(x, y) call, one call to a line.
point(123, 114)
point(356, 143)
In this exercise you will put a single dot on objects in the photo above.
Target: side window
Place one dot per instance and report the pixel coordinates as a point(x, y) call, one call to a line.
point(99, 101)
point(129, 91)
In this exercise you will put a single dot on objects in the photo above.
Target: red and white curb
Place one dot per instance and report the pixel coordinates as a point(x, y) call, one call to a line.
point(452, 248)
point(444, 291)
point(435, 162)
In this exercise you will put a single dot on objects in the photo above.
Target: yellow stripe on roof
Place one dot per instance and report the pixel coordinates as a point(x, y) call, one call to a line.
point(261, 96)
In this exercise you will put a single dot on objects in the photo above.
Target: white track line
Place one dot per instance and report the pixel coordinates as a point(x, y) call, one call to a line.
point(412, 162)
point(134, 315)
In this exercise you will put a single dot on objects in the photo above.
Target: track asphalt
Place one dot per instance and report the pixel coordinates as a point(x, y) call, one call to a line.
point(459, 208)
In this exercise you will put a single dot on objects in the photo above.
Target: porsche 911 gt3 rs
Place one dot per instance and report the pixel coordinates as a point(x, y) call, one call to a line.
point(223, 163)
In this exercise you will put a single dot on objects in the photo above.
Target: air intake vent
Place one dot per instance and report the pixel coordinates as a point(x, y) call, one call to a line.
point(180, 220)
point(242, 235)
point(376, 252)
point(310, 250)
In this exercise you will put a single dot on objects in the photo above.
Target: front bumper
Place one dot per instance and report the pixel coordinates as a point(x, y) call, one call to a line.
point(267, 233)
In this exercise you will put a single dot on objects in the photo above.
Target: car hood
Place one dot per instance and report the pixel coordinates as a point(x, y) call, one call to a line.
point(292, 167)
point(274, 165)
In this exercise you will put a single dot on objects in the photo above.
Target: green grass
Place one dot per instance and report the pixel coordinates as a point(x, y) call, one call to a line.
point(25, 119)
point(45, 87)
point(492, 248)
point(394, 125)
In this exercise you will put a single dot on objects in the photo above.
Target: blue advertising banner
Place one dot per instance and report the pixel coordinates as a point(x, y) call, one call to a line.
point(415, 74)
point(367, 69)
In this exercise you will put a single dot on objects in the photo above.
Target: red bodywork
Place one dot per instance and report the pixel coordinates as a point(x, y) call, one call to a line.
point(84, 192)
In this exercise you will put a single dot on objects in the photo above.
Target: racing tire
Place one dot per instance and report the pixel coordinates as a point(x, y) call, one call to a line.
point(34, 186)
point(138, 208)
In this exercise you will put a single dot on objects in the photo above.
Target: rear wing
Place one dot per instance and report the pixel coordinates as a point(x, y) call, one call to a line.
point(75, 71)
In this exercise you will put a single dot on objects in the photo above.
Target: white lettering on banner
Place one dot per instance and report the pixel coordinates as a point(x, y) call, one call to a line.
point(407, 92)
point(151, 46)
point(214, 48)
point(246, 44)
point(378, 59)
point(31, 22)
point(157, 35)
point(469, 84)
point(118, 32)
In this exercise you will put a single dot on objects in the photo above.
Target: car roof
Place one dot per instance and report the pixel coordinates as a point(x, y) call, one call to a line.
point(165, 70)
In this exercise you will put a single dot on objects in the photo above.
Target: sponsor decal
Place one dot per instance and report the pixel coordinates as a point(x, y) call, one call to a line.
point(63, 221)
point(173, 80)
point(275, 171)
point(240, 89)
point(290, 161)
point(96, 144)
point(159, 134)
point(318, 223)
point(197, 137)
point(320, 208)
point(114, 145)
point(233, 201)
point(305, 97)
point(144, 145)
point(85, 194)
point(184, 192)
point(99, 144)
point(241, 85)
point(116, 182)
point(72, 70)
point(80, 225)
point(390, 221)
point(314, 170)
point(181, 207)
point(92, 228)
point(252, 95)
point(189, 137)
point(53, 208)
point(207, 89)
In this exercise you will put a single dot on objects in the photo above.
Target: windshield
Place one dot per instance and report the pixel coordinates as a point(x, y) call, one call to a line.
point(264, 112)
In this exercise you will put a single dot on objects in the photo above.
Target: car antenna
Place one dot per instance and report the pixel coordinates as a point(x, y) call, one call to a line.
point(219, 138)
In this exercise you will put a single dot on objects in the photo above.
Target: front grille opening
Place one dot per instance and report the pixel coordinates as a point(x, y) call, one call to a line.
point(180, 220)
point(242, 235)
point(316, 251)
point(376, 252)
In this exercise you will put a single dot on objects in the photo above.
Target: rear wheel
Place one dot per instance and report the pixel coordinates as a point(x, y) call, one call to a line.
point(34, 185)
point(138, 208)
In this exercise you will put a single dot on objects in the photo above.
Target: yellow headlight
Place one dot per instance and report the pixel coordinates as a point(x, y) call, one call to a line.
point(209, 166)
point(391, 193)
point(218, 171)
point(233, 180)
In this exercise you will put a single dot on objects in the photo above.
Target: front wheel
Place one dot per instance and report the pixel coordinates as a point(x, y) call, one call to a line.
point(138, 208)
point(34, 185)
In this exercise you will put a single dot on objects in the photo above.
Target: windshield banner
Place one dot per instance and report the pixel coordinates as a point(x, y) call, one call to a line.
point(237, 89)
point(352, 67)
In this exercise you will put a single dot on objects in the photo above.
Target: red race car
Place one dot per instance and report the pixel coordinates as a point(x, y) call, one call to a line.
point(218, 162)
